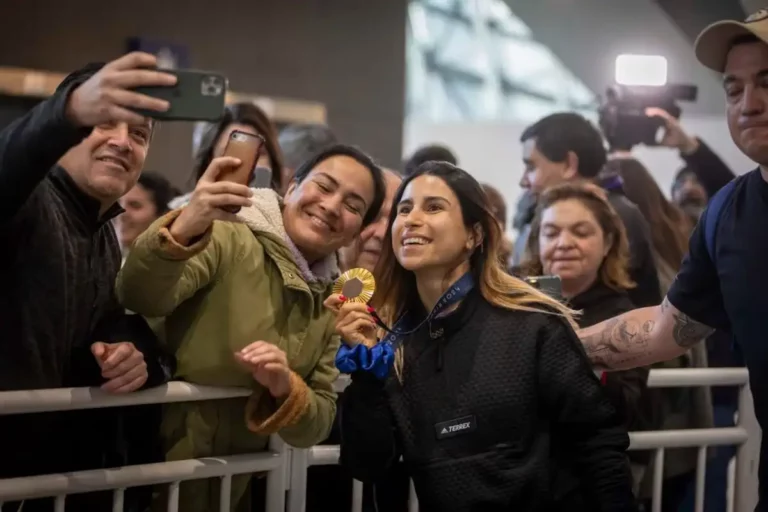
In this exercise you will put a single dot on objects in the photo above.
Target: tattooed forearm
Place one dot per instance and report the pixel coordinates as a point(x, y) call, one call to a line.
point(634, 339)
point(686, 331)
point(618, 343)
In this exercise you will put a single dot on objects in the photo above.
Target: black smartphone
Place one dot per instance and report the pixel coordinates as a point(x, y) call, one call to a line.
point(196, 96)
point(551, 285)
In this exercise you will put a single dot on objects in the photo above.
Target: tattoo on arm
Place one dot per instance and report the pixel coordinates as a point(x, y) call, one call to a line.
point(686, 331)
point(618, 343)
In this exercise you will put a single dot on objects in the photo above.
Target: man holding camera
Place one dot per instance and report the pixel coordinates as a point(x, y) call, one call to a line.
point(722, 282)
point(63, 166)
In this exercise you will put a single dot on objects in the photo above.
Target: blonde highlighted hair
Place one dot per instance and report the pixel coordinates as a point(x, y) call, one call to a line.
point(396, 290)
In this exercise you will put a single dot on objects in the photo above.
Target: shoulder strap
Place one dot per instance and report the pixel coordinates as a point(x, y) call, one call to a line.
point(712, 216)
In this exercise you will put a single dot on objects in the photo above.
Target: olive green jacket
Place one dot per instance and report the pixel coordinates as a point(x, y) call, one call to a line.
point(240, 283)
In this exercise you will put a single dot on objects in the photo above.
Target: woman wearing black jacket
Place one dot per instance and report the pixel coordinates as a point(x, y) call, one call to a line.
point(491, 398)
point(577, 235)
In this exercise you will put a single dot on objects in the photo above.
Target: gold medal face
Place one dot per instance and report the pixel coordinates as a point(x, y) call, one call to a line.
point(357, 285)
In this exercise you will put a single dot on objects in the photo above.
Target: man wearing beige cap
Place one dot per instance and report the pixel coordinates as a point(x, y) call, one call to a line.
point(723, 281)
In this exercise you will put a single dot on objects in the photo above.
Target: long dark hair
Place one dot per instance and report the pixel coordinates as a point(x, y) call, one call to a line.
point(396, 287)
point(670, 226)
point(241, 113)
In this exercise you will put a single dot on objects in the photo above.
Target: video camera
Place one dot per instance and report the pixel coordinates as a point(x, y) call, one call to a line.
point(640, 84)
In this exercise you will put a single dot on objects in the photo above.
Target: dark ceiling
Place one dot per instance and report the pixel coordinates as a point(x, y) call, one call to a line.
point(691, 16)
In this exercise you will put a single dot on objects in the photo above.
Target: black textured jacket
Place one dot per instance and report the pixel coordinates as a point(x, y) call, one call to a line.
point(490, 413)
point(58, 264)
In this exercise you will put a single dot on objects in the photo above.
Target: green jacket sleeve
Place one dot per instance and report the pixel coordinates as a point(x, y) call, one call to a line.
point(159, 274)
point(305, 418)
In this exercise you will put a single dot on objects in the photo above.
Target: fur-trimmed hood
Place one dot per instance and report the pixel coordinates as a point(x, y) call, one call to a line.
point(265, 216)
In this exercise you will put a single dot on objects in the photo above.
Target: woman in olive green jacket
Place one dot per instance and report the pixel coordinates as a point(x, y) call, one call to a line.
point(242, 296)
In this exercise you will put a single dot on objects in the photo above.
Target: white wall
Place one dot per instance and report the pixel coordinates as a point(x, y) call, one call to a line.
point(588, 35)
point(491, 152)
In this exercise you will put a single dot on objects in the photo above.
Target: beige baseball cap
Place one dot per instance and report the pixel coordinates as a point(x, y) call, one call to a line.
point(714, 42)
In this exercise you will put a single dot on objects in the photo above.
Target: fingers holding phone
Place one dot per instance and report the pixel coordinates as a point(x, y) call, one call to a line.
point(107, 96)
point(210, 201)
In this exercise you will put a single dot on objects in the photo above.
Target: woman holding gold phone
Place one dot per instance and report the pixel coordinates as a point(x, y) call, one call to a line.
point(242, 300)
point(479, 382)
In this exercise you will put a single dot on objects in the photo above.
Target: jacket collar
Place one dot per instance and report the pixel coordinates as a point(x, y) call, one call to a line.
point(85, 207)
point(595, 294)
point(265, 219)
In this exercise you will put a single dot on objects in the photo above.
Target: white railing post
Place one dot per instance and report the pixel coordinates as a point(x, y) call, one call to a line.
point(277, 480)
point(287, 467)
point(297, 494)
point(747, 454)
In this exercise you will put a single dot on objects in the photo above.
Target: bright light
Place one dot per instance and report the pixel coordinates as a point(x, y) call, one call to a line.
point(641, 70)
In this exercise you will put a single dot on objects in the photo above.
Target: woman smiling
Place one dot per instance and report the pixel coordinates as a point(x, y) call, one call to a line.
point(242, 296)
point(490, 397)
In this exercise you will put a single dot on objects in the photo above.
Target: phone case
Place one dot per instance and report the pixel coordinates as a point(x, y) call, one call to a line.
point(551, 285)
point(197, 96)
point(244, 146)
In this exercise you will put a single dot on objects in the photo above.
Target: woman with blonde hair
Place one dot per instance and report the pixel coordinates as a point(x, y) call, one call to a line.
point(490, 399)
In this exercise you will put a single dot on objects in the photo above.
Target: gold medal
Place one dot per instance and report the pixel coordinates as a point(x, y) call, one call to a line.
point(357, 285)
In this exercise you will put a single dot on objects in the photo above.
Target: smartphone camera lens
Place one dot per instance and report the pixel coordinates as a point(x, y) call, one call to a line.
point(212, 86)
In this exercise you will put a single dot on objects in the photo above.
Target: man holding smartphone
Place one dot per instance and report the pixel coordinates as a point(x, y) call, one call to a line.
point(63, 166)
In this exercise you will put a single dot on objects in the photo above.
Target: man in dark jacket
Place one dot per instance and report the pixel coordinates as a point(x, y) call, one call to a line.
point(566, 146)
point(63, 167)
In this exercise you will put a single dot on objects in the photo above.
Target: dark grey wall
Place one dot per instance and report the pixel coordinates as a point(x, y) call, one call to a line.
point(347, 54)
point(692, 16)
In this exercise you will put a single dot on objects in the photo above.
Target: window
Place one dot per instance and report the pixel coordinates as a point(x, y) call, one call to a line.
point(477, 61)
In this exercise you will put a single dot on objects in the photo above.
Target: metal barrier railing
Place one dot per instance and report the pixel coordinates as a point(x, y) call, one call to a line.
point(746, 435)
point(287, 467)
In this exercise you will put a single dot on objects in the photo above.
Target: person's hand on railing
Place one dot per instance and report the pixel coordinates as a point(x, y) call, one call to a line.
point(269, 367)
point(122, 364)
point(210, 202)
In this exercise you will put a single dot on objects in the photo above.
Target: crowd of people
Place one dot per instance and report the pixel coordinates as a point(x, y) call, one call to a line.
point(469, 380)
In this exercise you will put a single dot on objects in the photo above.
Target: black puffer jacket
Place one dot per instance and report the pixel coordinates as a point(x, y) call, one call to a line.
point(490, 413)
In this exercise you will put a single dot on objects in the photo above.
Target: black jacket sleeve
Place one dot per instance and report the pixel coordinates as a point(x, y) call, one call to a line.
point(369, 444)
point(642, 265)
point(29, 148)
point(583, 421)
point(628, 392)
point(709, 168)
point(118, 326)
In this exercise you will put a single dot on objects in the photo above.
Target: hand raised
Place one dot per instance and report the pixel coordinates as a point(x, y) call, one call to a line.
point(354, 322)
point(106, 97)
point(209, 200)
